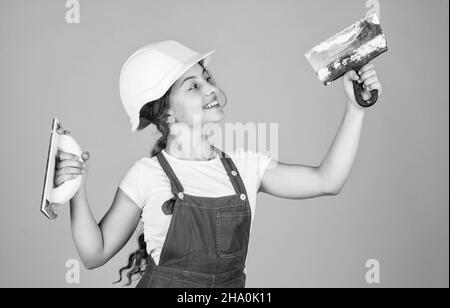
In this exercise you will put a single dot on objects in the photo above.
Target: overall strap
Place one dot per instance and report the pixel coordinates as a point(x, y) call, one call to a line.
point(174, 182)
point(233, 174)
point(227, 162)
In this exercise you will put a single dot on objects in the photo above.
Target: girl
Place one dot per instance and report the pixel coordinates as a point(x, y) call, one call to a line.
point(196, 202)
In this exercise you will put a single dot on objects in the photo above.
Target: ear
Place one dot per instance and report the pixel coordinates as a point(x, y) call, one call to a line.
point(170, 117)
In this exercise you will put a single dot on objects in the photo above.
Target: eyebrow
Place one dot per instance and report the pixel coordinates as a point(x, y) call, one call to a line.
point(191, 77)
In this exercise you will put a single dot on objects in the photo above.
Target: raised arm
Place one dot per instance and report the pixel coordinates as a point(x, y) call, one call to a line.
point(294, 181)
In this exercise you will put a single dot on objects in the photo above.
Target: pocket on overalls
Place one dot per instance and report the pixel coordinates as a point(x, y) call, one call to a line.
point(233, 228)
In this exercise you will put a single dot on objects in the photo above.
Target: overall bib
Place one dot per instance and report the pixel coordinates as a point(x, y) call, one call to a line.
point(207, 240)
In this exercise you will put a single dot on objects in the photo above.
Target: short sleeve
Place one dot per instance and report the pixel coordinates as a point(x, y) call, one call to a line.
point(262, 162)
point(131, 184)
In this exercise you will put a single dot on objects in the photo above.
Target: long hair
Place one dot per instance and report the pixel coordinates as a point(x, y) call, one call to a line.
point(153, 112)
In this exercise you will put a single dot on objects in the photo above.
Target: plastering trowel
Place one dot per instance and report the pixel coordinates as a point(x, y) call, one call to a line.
point(52, 196)
point(348, 50)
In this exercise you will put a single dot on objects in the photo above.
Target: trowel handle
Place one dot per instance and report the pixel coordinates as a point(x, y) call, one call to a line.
point(68, 189)
point(358, 89)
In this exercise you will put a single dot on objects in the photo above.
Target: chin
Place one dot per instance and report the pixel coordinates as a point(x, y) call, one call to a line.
point(215, 117)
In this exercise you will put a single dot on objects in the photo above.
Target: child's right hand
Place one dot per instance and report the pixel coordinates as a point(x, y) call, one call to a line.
point(68, 167)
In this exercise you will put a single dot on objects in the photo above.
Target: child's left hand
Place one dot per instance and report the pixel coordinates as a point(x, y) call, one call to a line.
point(368, 77)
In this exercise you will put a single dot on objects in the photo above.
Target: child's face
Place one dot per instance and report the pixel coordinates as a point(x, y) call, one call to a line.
point(189, 95)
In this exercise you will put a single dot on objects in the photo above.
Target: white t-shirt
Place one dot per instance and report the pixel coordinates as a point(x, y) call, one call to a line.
point(148, 186)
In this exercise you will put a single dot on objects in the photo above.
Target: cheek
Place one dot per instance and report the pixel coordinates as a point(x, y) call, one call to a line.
point(187, 111)
point(193, 106)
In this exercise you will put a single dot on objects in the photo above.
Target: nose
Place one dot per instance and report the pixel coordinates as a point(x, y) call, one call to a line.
point(211, 95)
point(210, 90)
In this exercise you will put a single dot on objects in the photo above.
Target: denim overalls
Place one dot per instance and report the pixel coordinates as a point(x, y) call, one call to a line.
point(207, 240)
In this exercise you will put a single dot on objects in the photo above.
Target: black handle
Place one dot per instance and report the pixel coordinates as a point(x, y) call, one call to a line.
point(358, 89)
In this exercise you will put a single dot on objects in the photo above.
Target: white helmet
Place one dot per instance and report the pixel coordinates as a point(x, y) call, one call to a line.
point(149, 72)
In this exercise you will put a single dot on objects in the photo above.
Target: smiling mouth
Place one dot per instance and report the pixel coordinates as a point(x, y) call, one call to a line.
point(212, 105)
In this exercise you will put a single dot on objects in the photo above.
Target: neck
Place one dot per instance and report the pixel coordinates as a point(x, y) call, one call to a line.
point(189, 145)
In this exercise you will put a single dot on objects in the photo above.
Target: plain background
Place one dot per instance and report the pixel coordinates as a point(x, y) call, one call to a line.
point(393, 208)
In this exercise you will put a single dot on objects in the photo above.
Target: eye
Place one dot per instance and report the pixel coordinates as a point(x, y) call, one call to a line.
point(194, 85)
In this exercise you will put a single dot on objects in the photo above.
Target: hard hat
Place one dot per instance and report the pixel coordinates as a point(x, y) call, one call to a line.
point(150, 71)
